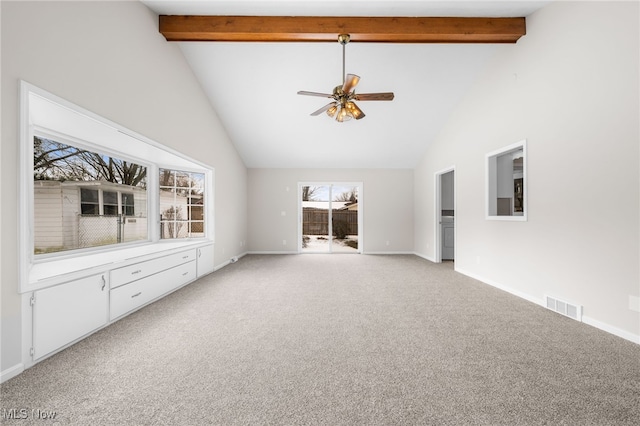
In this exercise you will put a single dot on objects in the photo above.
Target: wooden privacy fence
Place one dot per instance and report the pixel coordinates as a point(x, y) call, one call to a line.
point(316, 221)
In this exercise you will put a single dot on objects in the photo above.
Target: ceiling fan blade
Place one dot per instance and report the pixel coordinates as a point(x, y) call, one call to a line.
point(322, 95)
point(350, 81)
point(324, 108)
point(385, 96)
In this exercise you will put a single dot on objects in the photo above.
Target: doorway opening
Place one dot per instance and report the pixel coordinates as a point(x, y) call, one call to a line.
point(330, 217)
point(445, 214)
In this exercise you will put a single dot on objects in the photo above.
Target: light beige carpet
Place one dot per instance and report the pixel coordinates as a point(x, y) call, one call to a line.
point(338, 340)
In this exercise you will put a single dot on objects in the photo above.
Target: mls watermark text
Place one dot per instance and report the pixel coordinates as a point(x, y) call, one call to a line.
point(26, 414)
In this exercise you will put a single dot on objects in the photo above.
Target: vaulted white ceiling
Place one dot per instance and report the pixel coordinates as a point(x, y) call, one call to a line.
point(253, 86)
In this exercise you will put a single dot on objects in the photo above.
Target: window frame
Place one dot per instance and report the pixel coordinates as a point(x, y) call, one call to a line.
point(491, 182)
point(121, 205)
point(47, 115)
point(188, 221)
point(84, 202)
point(110, 204)
point(124, 205)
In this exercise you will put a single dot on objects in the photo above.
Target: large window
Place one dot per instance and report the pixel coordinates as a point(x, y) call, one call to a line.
point(181, 204)
point(77, 198)
point(89, 187)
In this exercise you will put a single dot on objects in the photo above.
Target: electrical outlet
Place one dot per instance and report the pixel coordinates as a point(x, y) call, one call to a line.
point(478, 260)
point(284, 242)
point(387, 242)
point(283, 213)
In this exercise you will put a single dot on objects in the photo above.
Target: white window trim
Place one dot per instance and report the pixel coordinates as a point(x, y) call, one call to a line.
point(488, 191)
point(42, 113)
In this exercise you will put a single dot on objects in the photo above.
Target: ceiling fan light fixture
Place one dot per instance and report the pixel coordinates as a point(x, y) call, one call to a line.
point(343, 115)
point(353, 110)
point(332, 111)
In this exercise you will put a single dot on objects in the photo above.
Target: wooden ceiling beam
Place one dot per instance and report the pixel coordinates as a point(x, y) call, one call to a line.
point(327, 29)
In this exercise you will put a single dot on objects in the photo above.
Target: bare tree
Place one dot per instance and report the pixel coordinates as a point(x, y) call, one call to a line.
point(58, 161)
point(173, 218)
point(309, 193)
point(350, 196)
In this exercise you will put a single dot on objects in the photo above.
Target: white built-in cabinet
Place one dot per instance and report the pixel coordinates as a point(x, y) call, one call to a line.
point(69, 311)
point(205, 260)
point(66, 312)
point(135, 285)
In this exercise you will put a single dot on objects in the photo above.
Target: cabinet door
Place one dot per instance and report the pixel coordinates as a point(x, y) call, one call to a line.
point(66, 312)
point(205, 260)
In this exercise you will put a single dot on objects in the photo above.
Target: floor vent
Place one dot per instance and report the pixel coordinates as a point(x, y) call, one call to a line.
point(565, 308)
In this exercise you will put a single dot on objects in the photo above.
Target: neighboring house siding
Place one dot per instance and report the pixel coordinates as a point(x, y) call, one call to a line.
point(48, 215)
point(70, 210)
point(59, 224)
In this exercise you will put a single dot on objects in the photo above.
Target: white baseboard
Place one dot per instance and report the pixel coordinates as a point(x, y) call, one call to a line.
point(387, 252)
point(424, 256)
point(11, 372)
point(272, 252)
point(295, 252)
point(585, 319)
point(611, 329)
point(228, 262)
point(503, 287)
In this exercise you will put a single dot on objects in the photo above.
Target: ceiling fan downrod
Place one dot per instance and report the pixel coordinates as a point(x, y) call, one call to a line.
point(343, 39)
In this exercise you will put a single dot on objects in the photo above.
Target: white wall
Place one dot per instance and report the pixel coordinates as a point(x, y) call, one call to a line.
point(570, 87)
point(387, 196)
point(108, 58)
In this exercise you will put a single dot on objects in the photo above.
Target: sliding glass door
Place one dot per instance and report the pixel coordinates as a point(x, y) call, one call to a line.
point(329, 218)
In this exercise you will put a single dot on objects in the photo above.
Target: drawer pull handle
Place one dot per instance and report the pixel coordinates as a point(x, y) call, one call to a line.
point(185, 257)
point(136, 272)
point(185, 273)
point(137, 294)
point(104, 283)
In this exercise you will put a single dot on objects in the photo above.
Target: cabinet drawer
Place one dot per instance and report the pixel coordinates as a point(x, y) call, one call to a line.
point(140, 270)
point(128, 297)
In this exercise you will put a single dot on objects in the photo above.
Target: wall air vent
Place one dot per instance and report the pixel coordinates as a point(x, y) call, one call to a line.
point(563, 307)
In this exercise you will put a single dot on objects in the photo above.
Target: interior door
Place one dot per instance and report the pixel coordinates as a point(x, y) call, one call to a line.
point(445, 215)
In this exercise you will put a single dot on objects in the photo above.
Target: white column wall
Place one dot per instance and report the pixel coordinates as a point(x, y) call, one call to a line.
point(570, 87)
point(387, 201)
point(109, 58)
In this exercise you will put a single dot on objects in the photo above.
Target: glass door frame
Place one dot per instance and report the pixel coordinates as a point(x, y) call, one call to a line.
point(331, 184)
